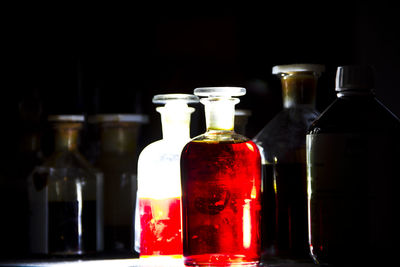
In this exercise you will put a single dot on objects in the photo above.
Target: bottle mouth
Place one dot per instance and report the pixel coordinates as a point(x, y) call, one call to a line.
point(66, 118)
point(316, 69)
point(219, 92)
point(185, 98)
point(104, 118)
point(354, 79)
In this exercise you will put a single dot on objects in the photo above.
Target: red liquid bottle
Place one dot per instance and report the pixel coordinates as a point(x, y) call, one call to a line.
point(221, 188)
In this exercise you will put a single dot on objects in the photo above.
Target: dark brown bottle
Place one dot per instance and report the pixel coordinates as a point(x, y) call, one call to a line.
point(353, 175)
point(65, 197)
point(282, 144)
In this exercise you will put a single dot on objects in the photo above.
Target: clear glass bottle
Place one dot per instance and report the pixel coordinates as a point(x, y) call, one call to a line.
point(221, 188)
point(353, 152)
point(65, 195)
point(282, 143)
point(159, 180)
point(117, 161)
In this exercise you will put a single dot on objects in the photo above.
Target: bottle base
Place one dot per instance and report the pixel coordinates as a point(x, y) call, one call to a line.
point(220, 260)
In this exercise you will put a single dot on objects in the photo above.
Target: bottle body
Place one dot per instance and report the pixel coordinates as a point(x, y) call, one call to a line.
point(351, 195)
point(221, 183)
point(159, 200)
point(66, 209)
point(118, 163)
point(283, 146)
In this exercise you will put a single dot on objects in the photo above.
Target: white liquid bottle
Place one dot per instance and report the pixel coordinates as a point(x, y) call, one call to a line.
point(159, 181)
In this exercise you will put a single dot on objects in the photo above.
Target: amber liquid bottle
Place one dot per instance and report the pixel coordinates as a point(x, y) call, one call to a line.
point(221, 189)
point(353, 176)
point(117, 161)
point(282, 143)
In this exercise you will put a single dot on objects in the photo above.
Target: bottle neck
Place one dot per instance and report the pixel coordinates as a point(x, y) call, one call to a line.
point(66, 136)
point(175, 123)
point(220, 113)
point(299, 89)
point(30, 143)
point(355, 93)
point(119, 138)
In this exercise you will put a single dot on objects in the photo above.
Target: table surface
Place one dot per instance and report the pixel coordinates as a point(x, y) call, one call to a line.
point(130, 262)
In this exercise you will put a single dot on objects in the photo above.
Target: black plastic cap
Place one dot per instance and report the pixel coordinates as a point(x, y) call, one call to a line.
point(354, 78)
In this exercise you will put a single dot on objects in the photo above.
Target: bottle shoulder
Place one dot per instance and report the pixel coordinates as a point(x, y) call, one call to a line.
point(69, 160)
point(162, 147)
point(211, 147)
point(289, 124)
point(362, 114)
point(220, 137)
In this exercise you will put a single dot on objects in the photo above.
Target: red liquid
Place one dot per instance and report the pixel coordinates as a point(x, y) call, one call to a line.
point(221, 203)
point(160, 223)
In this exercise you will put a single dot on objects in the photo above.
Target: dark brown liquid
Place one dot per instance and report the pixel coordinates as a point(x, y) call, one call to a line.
point(354, 180)
point(285, 219)
point(118, 238)
point(72, 228)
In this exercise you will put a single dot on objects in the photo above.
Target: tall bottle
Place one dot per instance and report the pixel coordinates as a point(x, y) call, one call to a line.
point(282, 143)
point(159, 180)
point(65, 195)
point(221, 188)
point(353, 153)
point(117, 160)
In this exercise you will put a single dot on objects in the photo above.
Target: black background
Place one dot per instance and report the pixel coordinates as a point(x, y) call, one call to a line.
point(114, 58)
point(89, 59)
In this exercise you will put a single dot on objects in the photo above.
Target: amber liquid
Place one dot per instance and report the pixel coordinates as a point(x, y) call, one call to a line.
point(285, 221)
point(221, 203)
point(72, 227)
point(160, 223)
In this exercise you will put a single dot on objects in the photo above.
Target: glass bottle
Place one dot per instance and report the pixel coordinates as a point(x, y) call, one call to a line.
point(241, 119)
point(221, 188)
point(117, 161)
point(282, 143)
point(159, 180)
point(353, 176)
point(65, 195)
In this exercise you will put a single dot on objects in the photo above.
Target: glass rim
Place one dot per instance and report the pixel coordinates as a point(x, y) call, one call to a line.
point(164, 98)
point(119, 117)
point(224, 91)
point(66, 118)
point(317, 68)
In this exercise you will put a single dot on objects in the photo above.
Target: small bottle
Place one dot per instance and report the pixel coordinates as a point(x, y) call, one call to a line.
point(65, 195)
point(221, 188)
point(282, 143)
point(159, 180)
point(117, 161)
point(353, 173)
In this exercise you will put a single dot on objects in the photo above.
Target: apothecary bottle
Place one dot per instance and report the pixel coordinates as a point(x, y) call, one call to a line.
point(353, 171)
point(282, 143)
point(65, 195)
point(117, 160)
point(159, 180)
point(221, 188)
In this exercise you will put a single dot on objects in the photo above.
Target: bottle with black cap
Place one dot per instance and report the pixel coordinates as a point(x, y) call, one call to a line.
point(352, 156)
